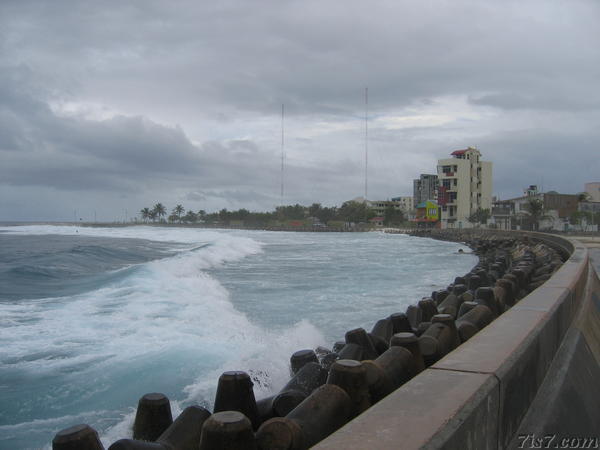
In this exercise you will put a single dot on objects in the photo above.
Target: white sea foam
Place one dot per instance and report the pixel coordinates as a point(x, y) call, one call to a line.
point(164, 319)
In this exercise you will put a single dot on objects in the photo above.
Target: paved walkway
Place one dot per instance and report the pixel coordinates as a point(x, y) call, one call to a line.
point(593, 245)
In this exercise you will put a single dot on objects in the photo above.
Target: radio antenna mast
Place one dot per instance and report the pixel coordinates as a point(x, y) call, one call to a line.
point(282, 152)
point(366, 141)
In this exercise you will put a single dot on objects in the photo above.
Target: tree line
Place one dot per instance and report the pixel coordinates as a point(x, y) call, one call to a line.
point(313, 215)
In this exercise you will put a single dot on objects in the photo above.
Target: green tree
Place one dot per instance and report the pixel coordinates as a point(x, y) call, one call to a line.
point(224, 216)
point(324, 214)
point(392, 215)
point(291, 212)
point(145, 212)
point(178, 211)
point(159, 210)
point(583, 197)
point(314, 210)
point(480, 216)
point(355, 212)
point(536, 210)
point(190, 217)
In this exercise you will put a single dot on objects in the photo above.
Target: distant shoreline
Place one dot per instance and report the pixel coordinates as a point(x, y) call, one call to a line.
point(356, 229)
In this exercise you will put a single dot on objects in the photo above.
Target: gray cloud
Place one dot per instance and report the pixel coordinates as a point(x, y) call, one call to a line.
point(127, 104)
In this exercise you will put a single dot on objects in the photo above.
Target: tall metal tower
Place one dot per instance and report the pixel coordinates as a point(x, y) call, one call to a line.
point(366, 143)
point(282, 153)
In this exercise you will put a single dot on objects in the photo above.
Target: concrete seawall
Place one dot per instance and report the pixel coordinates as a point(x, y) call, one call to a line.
point(531, 374)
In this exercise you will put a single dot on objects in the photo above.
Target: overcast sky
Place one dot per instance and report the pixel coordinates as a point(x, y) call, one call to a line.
point(113, 106)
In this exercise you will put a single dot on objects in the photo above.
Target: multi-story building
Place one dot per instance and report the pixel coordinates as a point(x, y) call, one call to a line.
point(403, 204)
point(406, 203)
point(425, 188)
point(427, 214)
point(594, 190)
point(465, 185)
point(556, 210)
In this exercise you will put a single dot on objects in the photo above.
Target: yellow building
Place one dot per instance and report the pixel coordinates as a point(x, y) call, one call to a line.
point(427, 214)
point(465, 186)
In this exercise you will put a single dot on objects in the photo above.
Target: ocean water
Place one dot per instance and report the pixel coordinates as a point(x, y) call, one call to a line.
point(93, 318)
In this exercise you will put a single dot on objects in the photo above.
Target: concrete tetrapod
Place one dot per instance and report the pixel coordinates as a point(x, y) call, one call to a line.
point(77, 437)
point(383, 329)
point(451, 305)
point(428, 309)
point(379, 343)
point(448, 320)
point(485, 296)
point(465, 308)
point(300, 386)
point(436, 342)
point(351, 376)
point(360, 337)
point(152, 418)
point(235, 393)
point(411, 343)
point(380, 385)
point(401, 323)
point(132, 444)
point(439, 296)
point(279, 405)
point(414, 315)
point(473, 321)
point(183, 434)
point(328, 360)
point(227, 430)
point(352, 351)
point(310, 377)
point(300, 358)
point(397, 363)
point(327, 409)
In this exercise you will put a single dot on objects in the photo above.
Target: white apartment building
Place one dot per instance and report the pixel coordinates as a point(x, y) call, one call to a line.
point(465, 186)
point(404, 204)
point(594, 190)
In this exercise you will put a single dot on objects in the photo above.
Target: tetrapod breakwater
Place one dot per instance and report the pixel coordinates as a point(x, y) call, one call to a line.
point(344, 388)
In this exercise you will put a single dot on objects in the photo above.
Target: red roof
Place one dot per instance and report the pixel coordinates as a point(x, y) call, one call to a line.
point(458, 152)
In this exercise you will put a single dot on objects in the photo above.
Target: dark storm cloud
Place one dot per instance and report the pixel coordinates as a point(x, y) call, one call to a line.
point(130, 154)
point(306, 54)
point(181, 99)
point(562, 159)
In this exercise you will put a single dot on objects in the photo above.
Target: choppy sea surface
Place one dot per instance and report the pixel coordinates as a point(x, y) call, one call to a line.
point(93, 318)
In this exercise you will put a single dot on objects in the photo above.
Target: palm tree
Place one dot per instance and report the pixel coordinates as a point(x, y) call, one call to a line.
point(145, 212)
point(537, 212)
point(159, 210)
point(178, 211)
point(584, 197)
